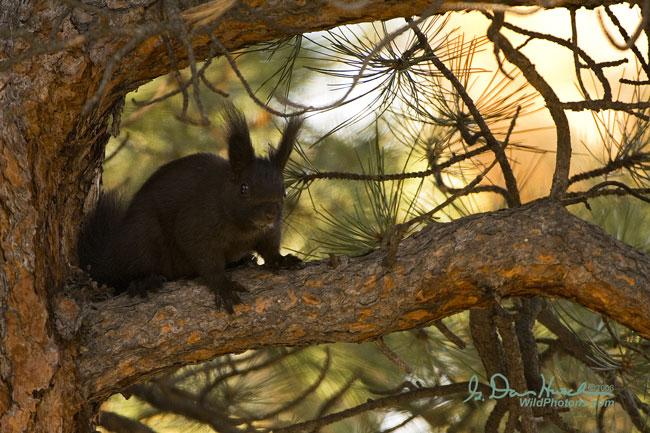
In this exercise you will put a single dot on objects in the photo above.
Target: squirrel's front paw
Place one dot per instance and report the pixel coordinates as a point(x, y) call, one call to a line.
point(227, 297)
point(285, 262)
point(291, 262)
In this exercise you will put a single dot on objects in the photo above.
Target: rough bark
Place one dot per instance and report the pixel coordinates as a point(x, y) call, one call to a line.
point(538, 250)
point(50, 156)
point(46, 166)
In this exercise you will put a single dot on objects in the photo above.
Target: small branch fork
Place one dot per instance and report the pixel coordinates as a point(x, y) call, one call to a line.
point(561, 179)
point(512, 194)
point(563, 136)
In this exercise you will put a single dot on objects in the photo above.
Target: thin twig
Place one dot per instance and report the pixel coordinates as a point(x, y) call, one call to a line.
point(563, 132)
point(389, 38)
point(617, 164)
point(308, 177)
point(392, 356)
point(395, 400)
point(630, 41)
point(512, 198)
point(599, 190)
point(462, 192)
point(444, 330)
point(576, 58)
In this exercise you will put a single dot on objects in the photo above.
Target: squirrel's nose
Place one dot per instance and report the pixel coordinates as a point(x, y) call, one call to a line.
point(271, 211)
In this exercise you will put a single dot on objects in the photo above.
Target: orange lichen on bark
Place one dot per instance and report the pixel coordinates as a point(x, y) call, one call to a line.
point(424, 295)
point(370, 284)
point(68, 308)
point(417, 315)
point(125, 367)
point(161, 315)
point(296, 331)
point(198, 355)
point(293, 300)
point(239, 309)
point(509, 273)
point(262, 304)
point(388, 282)
point(365, 313)
point(314, 283)
point(310, 299)
point(10, 169)
point(362, 327)
point(194, 337)
point(5, 398)
point(629, 280)
point(547, 258)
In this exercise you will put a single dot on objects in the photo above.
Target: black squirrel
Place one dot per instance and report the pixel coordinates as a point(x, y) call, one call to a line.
point(193, 217)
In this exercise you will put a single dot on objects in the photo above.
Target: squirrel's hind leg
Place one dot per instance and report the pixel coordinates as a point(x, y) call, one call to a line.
point(143, 286)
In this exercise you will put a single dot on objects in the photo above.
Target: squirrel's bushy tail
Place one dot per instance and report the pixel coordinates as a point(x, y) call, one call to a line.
point(96, 237)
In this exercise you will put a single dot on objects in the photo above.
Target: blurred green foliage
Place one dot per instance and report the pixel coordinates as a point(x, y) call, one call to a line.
point(345, 217)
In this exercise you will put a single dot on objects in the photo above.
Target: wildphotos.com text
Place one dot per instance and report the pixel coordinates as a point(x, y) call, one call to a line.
point(548, 395)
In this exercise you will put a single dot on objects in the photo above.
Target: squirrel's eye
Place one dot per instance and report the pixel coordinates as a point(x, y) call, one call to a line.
point(244, 189)
point(284, 193)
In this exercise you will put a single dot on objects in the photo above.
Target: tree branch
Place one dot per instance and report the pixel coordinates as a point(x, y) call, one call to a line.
point(120, 424)
point(539, 250)
point(563, 135)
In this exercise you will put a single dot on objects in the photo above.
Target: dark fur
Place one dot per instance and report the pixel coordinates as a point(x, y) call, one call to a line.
point(191, 218)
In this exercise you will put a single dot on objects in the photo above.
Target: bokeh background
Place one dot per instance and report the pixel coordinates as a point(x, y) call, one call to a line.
point(377, 132)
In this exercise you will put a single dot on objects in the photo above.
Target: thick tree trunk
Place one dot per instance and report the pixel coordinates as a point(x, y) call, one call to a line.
point(48, 159)
point(50, 154)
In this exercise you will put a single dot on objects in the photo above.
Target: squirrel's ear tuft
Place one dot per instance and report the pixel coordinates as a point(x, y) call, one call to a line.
point(280, 157)
point(240, 148)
